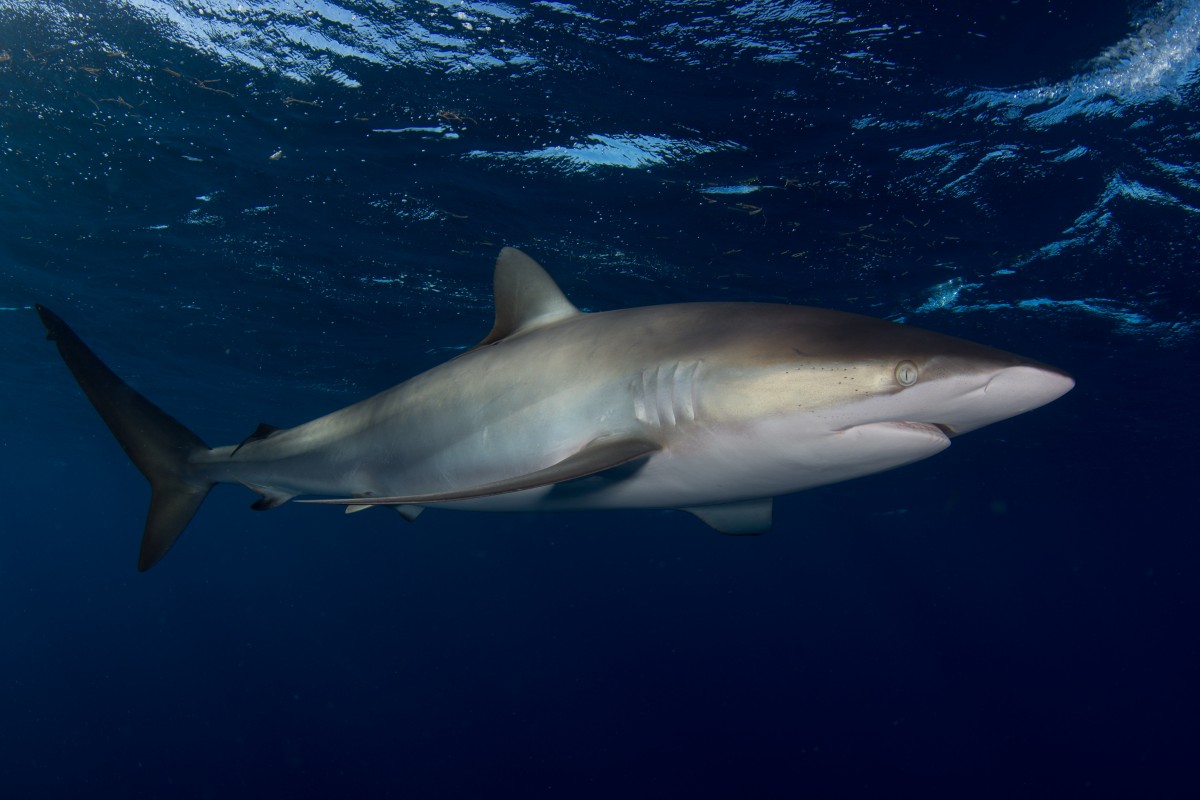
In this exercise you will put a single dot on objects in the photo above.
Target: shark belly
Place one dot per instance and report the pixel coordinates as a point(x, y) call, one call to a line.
point(706, 467)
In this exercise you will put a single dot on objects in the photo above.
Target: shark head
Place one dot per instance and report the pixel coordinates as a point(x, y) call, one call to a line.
point(901, 374)
point(864, 394)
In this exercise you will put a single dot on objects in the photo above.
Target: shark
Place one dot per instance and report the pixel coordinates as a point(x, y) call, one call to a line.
point(713, 408)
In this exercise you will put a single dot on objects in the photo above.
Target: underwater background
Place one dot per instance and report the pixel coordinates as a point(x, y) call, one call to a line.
point(264, 211)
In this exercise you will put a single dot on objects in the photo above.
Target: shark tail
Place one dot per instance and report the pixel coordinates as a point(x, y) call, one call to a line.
point(155, 441)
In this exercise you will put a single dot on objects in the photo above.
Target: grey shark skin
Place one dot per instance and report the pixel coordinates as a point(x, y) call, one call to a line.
point(712, 408)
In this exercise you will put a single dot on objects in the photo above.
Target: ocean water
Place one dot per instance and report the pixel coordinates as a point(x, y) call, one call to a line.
point(263, 211)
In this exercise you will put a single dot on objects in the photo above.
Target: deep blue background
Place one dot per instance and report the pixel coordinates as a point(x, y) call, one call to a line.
point(1017, 614)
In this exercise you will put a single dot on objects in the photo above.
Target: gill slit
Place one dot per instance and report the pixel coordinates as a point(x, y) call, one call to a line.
point(666, 396)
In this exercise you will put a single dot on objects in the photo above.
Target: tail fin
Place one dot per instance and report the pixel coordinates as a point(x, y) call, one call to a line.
point(157, 444)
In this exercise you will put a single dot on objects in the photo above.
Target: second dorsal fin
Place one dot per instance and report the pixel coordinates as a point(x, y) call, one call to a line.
point(263, 431)
point(526, 297)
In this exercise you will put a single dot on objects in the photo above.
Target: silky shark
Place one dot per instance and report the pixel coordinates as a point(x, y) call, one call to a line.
point(711, 408)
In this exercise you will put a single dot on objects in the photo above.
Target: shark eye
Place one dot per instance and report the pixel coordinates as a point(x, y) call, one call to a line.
point(906, 373)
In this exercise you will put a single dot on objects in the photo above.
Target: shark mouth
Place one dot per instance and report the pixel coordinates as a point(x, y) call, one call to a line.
point(935, 429)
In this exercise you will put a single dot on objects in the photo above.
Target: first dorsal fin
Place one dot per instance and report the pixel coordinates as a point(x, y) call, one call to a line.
point(526, 297)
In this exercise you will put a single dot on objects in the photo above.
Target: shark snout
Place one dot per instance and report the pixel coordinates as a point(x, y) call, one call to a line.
point(1008, 392)
point(1027, 386)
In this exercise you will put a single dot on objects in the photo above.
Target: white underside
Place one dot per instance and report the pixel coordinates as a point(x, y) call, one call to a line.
point(774, 460)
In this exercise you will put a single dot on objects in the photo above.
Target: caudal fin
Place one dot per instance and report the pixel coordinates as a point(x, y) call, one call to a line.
point(156, 443)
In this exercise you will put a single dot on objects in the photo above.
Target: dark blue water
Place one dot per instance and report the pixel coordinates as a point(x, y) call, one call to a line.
point(265, 211)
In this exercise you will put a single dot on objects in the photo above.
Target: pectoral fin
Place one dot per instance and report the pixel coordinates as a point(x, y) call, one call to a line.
point(598, 455)
point(737, 519)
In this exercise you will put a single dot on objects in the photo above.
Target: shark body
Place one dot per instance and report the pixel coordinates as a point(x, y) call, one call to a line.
point(712, 408)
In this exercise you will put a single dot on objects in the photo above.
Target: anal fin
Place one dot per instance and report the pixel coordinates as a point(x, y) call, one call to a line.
point(271, 498)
